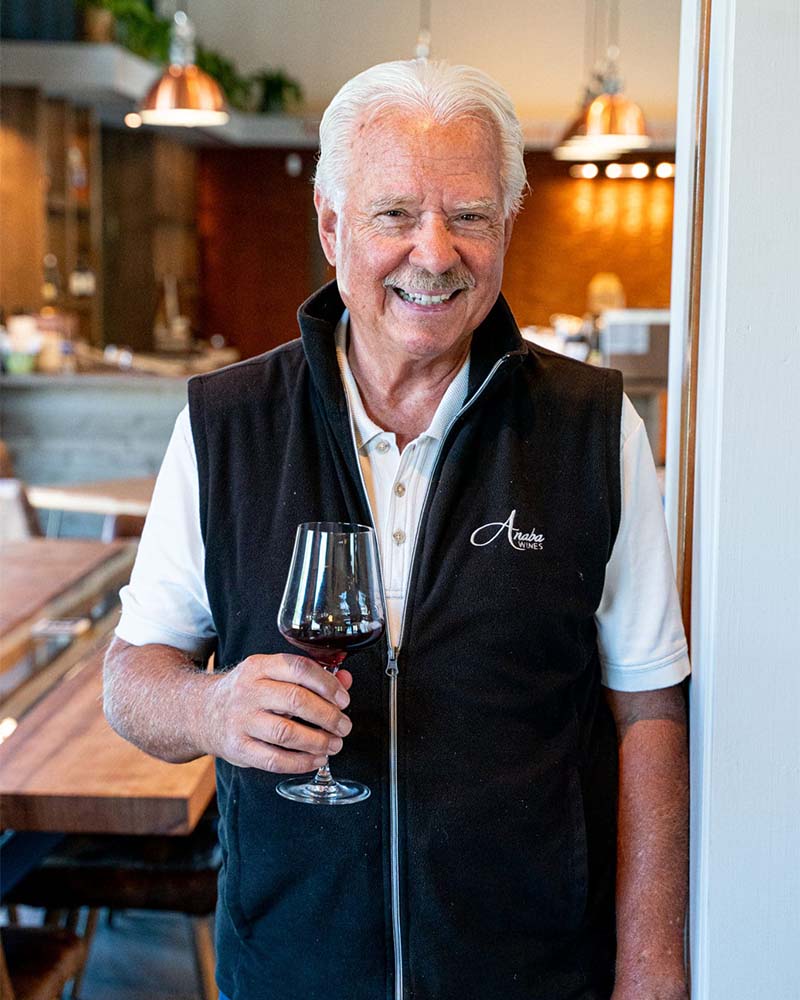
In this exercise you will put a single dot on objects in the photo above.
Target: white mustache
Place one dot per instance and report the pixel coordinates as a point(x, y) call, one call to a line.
point(423, 281)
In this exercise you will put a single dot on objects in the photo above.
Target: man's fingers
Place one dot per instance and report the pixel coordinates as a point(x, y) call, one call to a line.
point(287, 734)
point(304, 672)
point(280, 713)
point(271, 758)
point(293, 700)
point(345, 678)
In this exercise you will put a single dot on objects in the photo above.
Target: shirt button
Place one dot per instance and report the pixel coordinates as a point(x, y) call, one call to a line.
point(399, 536)
point(382, 446)
point(399, 490)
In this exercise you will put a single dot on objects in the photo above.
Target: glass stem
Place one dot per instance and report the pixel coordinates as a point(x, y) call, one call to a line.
point(323, 775)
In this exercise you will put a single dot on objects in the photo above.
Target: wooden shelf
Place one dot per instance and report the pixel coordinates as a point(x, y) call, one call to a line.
point(59, 206)
point(111, 79)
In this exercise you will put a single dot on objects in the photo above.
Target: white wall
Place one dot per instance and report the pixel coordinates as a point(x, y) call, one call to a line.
point(746, 595)
point(534, 49)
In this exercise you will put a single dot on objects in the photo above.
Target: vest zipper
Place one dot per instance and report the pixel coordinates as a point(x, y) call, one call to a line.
point(394, 825)
point(392, 671)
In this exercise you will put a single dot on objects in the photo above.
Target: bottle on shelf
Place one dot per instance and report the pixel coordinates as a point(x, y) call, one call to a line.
point(51, 283)
point(82, 281)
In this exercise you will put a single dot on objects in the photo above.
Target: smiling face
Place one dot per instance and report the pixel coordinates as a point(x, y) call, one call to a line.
point(419, 238)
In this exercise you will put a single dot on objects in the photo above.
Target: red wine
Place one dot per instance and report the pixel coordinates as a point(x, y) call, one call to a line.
point(329, 644)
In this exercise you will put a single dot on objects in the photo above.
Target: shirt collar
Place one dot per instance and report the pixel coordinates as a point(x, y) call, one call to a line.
point(365, 428)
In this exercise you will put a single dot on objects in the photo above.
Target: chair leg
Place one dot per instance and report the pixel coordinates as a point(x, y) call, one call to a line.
point(6, 989)
point(88, 935)
point(205, 959)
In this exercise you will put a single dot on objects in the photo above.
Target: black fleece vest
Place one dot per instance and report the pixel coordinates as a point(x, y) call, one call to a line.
point(506, 749)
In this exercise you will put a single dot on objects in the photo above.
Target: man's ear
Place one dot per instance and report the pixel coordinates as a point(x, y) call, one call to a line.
point(509, 229)
point(326, 226)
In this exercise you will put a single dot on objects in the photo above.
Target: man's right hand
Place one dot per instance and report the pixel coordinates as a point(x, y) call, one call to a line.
point(257, 714)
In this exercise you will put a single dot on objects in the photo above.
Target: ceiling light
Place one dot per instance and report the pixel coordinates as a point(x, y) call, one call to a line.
point(609, 123)
point(640, 170)
point(133, 119)
point(665, 170)
point(184, 95)
point(613, 171)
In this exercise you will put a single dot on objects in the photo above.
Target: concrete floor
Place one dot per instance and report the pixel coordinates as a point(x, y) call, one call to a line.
point(141, 956)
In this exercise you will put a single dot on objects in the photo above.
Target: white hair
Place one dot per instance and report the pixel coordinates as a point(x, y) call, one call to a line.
point(443, 92)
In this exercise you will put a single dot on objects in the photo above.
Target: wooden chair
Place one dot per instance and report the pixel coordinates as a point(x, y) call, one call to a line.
point(6, 465)
point(18, 519)
point(121, 526)
point(177, 874)
point(36, 963)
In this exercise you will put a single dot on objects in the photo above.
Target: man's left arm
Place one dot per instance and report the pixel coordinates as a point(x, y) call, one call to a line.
point(652, 839)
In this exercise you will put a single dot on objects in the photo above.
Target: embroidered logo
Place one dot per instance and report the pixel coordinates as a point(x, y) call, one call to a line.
point(520, 540)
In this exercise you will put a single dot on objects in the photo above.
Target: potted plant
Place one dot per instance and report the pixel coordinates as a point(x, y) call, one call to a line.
point(277, 91)
point(98, 22)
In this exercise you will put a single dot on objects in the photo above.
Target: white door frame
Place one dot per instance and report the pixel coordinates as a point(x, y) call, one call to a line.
point(744, 924)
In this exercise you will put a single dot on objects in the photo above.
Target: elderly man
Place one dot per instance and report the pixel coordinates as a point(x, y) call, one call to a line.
point(518, 844)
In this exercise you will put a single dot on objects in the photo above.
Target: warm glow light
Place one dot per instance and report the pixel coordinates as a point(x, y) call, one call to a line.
point(665, 170)
point(583, 148)
point(184, 117)
point(640, 170)
point(133, 120)
point(613, 171)
point(585, 171)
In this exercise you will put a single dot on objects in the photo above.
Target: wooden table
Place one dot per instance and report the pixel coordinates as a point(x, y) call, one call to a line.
point(109, 497)
point(64, 769)
point(53, 578)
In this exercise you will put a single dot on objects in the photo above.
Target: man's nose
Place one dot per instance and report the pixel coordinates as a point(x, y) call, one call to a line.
point(434, 247)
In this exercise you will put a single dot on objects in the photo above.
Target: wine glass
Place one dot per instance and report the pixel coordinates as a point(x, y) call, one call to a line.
point(332, 606)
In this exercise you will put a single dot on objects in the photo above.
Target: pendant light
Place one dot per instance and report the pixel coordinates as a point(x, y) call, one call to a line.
point(184, 94)
point(609, 123)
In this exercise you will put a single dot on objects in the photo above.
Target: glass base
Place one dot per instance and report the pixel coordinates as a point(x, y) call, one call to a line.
point(323, 793)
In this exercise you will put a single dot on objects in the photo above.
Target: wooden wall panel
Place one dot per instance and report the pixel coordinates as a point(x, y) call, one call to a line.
point(22, 172)
point(570, 229)
point(258, 256)
point(130, 299)
point(149, 231)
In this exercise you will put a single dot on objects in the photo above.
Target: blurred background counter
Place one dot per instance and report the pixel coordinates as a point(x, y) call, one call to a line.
point(81, 428)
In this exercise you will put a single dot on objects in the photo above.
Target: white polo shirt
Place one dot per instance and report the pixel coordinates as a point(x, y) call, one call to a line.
point(640, 633)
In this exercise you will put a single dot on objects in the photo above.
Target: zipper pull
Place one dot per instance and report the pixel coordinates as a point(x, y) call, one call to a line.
point(391, 664)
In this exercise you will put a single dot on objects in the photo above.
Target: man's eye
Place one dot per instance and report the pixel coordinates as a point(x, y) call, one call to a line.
point(394, 213)
point(471, 217)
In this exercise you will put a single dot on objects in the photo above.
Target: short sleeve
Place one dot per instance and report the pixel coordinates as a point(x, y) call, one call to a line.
point(166, 600)
point(640, 632)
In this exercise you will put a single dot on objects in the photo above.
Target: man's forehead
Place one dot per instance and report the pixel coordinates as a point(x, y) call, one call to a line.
point(397, 147)
point(410, 135)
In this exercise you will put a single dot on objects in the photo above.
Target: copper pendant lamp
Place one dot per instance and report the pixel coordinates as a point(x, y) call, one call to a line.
point(184, 94)
point(609, 123)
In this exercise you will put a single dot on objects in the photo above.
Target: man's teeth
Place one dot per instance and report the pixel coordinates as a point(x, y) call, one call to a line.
point(424, 300)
